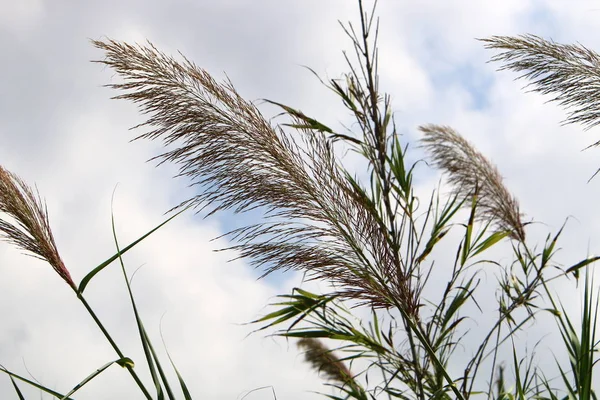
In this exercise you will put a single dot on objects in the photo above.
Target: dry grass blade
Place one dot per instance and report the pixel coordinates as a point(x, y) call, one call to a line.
point(30, 230)
point(315, 222)
point(570, 72)
point(471, 173)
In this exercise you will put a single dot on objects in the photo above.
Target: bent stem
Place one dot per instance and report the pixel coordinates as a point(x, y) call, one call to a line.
point(134, 375)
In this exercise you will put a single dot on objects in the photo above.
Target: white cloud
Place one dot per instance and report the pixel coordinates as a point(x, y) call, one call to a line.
point(18, 16)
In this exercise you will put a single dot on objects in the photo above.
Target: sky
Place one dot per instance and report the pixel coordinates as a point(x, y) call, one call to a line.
point(60, 130)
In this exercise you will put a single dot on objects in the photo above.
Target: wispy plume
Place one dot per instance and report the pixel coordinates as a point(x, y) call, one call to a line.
point(316, 222)
point(569, 72)
point(29, 229)
point(472, 174)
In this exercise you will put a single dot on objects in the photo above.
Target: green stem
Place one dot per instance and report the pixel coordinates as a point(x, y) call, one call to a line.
point(416, 358)
point(114, 346)
point(414, 327)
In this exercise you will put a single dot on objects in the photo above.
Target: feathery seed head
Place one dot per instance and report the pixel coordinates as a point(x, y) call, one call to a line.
point(30, 230)
point(324, 361)
point(472, 174)
point(571, 73)
point(314, 222)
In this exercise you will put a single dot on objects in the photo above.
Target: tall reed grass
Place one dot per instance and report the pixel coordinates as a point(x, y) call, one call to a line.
point(372, 240)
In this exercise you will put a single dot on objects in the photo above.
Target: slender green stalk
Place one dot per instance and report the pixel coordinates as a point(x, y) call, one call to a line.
point(151, 358)
point(114, 345)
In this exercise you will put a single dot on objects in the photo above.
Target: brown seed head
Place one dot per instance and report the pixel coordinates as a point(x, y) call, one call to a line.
point(30, 228)
point(324, 361)
point(471, 173)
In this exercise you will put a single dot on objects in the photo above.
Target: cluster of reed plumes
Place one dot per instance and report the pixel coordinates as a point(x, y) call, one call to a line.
point(319, 220)
point(372, 242)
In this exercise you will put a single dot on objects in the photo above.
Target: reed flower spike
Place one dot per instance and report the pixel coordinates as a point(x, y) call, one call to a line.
point(29, 229)
point(324, 361)
point(315, 222)
point(472, 174)
point(571, 73)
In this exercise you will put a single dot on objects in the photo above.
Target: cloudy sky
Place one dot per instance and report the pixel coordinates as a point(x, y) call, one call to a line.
point(60, 130)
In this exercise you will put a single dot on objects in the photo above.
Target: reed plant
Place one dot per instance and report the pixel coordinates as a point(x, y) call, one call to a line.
point(370, 237)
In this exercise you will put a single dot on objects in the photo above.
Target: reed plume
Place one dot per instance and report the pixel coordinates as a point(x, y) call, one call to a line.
point(472, 174)
point(569, 72)
point(30, 228)
point(324, 361)
point(315, 221)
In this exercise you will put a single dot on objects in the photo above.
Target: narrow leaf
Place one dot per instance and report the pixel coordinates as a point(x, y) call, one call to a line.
point(582, 264)
point(91, 274)
point(122, 362)
point(21, 397)
point(34, 384)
